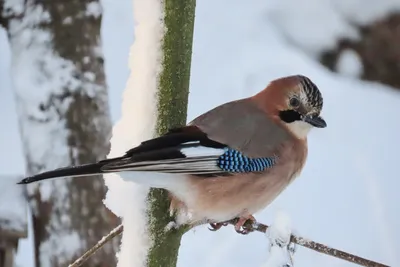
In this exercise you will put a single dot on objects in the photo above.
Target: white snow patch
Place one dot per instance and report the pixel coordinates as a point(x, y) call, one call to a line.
point(13, 205)
point(94, 9)
point(279, 234)
point(171, 225)
point(13, 7)
point(137, 123)
point(86, 60)
point(98, 51)
point(90, 76)
point(45, 17)
point(278, 258)
point(349, 63)
point(280, 230)
point(67, 20)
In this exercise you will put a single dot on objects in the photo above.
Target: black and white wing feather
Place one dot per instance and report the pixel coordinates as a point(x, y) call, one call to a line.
point(186, 150)
point(183, 150)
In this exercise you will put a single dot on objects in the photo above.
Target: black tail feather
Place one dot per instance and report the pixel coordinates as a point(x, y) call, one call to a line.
point(81, 170)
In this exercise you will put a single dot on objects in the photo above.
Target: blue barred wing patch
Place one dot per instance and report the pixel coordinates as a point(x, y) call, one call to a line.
point(234, 161)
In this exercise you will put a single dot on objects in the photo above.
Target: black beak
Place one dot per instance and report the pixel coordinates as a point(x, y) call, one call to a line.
point(315, 121)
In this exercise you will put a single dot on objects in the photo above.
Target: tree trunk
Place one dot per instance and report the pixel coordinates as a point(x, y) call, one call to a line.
point(60, 90)
point(155, 100)
point(173, 91)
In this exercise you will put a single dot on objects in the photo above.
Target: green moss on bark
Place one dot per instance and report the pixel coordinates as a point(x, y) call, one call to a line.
point(175, 76)
point(173, 91)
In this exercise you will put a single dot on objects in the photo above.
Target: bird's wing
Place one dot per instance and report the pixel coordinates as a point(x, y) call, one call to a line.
point(214, 147)
point(182, 150)
point(186, 150)
point(243, 126)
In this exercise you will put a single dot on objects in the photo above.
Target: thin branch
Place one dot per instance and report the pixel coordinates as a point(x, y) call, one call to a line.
point(321, 248)
point(259, 227)
point(115, 232)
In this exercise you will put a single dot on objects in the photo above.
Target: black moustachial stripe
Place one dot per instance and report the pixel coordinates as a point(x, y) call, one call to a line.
point(289, 116)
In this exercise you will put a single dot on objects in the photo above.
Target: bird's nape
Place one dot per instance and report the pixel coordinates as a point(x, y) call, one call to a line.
point(312, 92)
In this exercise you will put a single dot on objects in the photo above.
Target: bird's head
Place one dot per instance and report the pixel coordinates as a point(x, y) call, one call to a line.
point(296, 102)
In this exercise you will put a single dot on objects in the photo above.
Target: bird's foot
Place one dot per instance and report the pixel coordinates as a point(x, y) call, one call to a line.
point(217, 226)
point(240, 226)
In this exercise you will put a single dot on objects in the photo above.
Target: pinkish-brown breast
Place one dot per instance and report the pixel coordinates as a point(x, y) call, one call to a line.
point(226, 197)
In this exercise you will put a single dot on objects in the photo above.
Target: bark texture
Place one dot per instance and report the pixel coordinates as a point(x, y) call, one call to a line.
point(172, 110)
point(64, 120)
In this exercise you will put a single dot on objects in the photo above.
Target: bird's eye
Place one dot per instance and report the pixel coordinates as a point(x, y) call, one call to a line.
point(294, 102)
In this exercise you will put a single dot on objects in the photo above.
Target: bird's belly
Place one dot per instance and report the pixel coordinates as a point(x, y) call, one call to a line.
point(223, 198)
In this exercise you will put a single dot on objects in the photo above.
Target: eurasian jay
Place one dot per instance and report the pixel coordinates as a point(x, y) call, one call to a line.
point(229, 162)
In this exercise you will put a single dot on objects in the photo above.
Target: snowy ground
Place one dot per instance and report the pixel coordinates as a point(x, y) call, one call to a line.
point(347, 195)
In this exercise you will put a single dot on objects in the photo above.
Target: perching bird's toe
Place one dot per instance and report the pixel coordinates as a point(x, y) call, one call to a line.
point(217, 226)
point(240, 226)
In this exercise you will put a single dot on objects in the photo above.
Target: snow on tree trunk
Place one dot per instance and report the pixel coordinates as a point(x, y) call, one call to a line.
point(60, 90)
point(155, 100)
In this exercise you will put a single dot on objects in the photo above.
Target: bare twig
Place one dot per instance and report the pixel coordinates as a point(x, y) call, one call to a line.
point(321, 248)
point(116, 231)
point(259, 227)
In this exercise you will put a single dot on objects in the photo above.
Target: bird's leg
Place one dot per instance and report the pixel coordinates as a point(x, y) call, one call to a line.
point(240, 225)
point(217, 226)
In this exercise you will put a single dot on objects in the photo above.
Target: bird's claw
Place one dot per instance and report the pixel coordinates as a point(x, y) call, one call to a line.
point(216, 226)
point(242, 228)
point(243, 231)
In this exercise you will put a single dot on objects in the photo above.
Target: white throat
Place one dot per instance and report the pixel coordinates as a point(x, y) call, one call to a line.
point(299, 128)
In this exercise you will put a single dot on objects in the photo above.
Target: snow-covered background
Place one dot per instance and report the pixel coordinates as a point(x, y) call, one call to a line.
point(347, 195)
